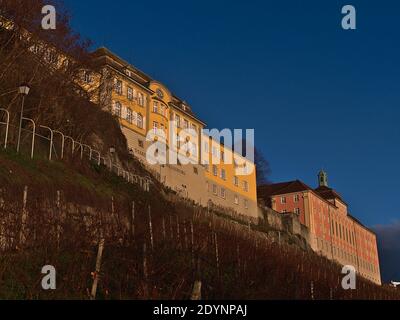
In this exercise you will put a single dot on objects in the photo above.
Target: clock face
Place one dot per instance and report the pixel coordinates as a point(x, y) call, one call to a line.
point(159, 93)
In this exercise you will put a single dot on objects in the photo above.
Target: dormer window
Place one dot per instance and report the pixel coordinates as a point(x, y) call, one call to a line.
point(159, 93)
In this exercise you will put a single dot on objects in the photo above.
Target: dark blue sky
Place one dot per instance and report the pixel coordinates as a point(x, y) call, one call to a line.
point(316, 95)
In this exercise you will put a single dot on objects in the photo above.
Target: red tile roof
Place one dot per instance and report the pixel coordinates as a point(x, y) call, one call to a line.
point(328, 193)
point(269, 190)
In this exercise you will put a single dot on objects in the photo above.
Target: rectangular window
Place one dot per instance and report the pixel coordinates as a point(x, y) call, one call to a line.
point(236, 181)
point(215, 170)
point(236, 199)
point(129, 115)
point(297, 211)
point(245, 186)
point(283, 200)
point(162, 129)
point(162, 109)
point(195, 170)
point(194, 127)
point(140, 143)
point(118, 86)
point(139, 121)
point(223, 194)
point(296, 198)
point(155, 127)
point(117, 109)
point(185, 124)
point(141, 99)
point(246, 203)
point(155, 107)
point(129, 93)
point(215, 190)
point(178, 121)
point(223, 174)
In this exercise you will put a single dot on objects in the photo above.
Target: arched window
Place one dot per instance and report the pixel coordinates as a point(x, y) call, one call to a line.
point(117, 109)
point(140, 121)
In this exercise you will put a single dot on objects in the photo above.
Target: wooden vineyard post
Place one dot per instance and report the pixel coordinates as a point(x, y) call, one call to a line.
point(96, 274)
point(151, 230)
point(24, 217)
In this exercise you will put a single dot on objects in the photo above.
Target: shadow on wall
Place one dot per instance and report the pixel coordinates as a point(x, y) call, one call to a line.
point(389, 250)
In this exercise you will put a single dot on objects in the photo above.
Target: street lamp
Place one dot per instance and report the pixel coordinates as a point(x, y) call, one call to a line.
point(23, 89)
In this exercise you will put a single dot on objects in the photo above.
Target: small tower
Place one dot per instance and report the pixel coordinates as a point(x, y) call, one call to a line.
point(322, 179)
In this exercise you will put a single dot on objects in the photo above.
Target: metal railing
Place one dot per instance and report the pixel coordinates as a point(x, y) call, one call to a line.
point(93, 154)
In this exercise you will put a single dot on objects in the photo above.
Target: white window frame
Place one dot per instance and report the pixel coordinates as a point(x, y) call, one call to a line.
point(155, 127)
point(215, 170)
point(118, 86)
point(139, 122)
point(117, 109)
point(223, 193)
point(129, 93)
point(129, 115)
point(223, 174)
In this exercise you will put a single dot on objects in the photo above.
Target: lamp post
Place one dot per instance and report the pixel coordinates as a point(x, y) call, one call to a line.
point(24, 91)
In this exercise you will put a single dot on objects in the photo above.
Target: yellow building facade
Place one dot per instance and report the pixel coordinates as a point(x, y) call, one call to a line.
point(158, 124)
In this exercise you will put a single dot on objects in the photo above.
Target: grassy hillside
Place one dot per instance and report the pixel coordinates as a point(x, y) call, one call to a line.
point(157, 254)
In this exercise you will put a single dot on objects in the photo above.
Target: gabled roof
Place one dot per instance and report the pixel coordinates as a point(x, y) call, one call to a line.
point(269, 190)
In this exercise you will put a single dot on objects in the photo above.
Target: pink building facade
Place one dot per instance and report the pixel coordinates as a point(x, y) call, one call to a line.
point(334, 232)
